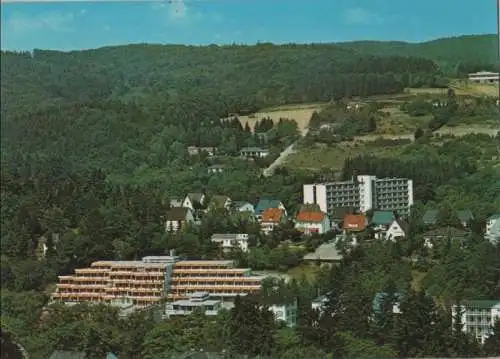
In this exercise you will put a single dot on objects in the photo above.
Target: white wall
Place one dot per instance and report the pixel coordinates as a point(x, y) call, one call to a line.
point(308, 195)
point(410, 193)
point(365, 192)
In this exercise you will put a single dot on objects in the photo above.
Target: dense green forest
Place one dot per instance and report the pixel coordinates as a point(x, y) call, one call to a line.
point(94, 143)
point(473, 52)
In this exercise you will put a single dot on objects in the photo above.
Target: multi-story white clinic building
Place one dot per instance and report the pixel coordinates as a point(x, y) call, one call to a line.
point(478, 317)
point(363, 193)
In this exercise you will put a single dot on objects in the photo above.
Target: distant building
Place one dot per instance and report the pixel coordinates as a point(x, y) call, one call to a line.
point(197, 300)
point(492, 232)
point(266, 203)
point(311, 222)
point(154, 280)
point(271, 218)
point(325, 254)
point(484, 77)
point(319, 303)
point(178, 218)
point(286, 313)
point(229, 241)
point(242, 206)
point(478, 317)
point(363, 193)
point(194, 201)
point(254, 152)
point(216, 169)
point(194, 150)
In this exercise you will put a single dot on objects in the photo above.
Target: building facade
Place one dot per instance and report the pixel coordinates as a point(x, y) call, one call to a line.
point(229, 241)
point(197, 301)
point(484, 77)
point(478, 317)
point(155, 279)
point(363, 193)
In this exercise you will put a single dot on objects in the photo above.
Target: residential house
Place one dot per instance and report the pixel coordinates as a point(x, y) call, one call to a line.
point(196, 301)
point(325, 254)
point(43, 245)
point(431, 217)
point(216, 169)
point(381, 297)
point(271, 218)
point(195, 150)
point(194, 201)
point(381, 220)
point(178, 218)
point(492, 232)
point(397, 230)
point(266, 204)
point(435, 236)
point(478, 317)
point(228, 241)
point(241, 206)
point(337, 216)
point(254, 152)
point(310, 222)
point(285, 312)
point(175, 202)
point(219, 203)
point(319, 303)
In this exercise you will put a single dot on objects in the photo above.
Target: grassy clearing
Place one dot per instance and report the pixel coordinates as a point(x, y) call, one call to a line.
point(417, 278)
point(301, 113)
point(332, 158)
point(397, 122)
point(467, 130)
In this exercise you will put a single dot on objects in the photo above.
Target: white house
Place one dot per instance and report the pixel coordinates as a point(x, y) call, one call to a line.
point(286, 313)
point(492, 232)
point(178, 218)
point(312, 222)
point(241, 206)
point(397, 230)
point(197, 300)
point(319, 303)
point(194, 201)
point(270, 219)
point(254, 152)
point(228, 241)
point(478, 317)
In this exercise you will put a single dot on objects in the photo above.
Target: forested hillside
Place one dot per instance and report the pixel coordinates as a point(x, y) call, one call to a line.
point(123, 107)
point(476, 50)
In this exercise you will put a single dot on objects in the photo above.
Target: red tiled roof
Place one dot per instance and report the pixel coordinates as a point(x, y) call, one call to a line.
point(310, 216)
point(354, 222)
point(272, 215)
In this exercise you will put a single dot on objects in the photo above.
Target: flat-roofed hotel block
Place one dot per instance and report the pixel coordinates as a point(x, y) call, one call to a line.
point(155, 279)
point(363, 193)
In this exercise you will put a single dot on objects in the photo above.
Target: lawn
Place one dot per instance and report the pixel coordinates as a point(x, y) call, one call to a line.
point(398, 122)
point(332, 158)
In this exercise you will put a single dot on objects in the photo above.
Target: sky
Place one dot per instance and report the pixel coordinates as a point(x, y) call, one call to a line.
point(75, 25)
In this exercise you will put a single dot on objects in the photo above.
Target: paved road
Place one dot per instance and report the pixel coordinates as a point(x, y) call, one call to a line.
point(269, 171)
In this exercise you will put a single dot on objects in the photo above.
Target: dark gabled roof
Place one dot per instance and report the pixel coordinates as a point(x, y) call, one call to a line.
point(405, 226)
point(309, 207)
point(465, 215)
point(265, 204)
point(430, 216)
point(195, 197)
point(447, 232)
point(484, 304)
point(340, 212)
point(382, 217)
point(177, 214)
